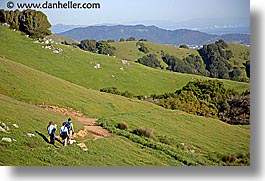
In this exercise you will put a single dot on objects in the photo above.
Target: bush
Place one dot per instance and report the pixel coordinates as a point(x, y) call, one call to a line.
point(147, 132)
point(131, 39)
point(142, 47)
point(184, 46)
point(149, 60)
point(122, 125)
point(33, 23)
point(89, 45)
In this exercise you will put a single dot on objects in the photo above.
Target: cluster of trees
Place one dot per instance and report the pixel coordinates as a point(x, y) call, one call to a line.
point(215, 57)
point(207, 98)
point(211, 99)
point(142, 47)
point(247, 65)
point(191, 64)
point(213, 61)
point(131, 38)
point(31, 22)
point(100, 47)
point(183, 46)
point(150, 60)
point(114, 90)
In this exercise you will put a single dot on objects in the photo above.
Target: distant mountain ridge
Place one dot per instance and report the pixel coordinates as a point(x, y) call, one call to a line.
point(153, 34)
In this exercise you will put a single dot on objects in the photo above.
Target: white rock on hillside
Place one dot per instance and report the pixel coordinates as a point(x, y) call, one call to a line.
point(9, 140)
point(15, 125)
point(30, 134)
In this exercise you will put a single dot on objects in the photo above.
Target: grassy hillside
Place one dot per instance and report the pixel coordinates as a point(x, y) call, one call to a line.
point(31, 76)
point(60, 39)
point(77, 66)
point(36, 151)
point(129, 51)
point(170, 127)
point(26, 84)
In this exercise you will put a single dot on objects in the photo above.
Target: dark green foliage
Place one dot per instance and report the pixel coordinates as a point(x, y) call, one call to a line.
point(101, 47)
point(211, 99)
point(33, 23)
point(111, 90)
point(122, 39)
point(142, 47)
point(236, 74)
point(149, 60)
point(131, 39)
point(114, 90)
point(142, 39)
point(191, 64)
point(105, 48)
point(248, 68)
point(197, 65)
point(89, 45)
point(237, 110)
point(215, 57)
point(184, 46)
point(110, 41)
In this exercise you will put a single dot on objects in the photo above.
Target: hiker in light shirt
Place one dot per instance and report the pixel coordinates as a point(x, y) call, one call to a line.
point(51, 131)
point(64, 134)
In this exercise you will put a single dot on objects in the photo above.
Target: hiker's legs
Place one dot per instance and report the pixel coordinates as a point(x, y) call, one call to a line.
point(64, 139)
point(52, 138)
point(70, 136)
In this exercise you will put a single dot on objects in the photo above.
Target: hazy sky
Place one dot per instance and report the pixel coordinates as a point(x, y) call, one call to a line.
point(122, 11)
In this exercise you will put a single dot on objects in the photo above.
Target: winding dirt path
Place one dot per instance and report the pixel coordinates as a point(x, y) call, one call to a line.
point(89, 123)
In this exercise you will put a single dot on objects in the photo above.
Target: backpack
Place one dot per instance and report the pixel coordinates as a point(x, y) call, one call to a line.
point(68, 125)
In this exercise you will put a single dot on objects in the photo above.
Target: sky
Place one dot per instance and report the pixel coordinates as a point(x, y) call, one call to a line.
point(125, 11)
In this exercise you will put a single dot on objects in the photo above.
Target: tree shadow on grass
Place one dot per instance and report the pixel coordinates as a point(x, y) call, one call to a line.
point(47, 140)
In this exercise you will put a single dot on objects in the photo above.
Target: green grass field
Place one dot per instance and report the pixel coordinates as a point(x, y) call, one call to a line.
point(31, 76)
point(128, 50)
point(77, 66)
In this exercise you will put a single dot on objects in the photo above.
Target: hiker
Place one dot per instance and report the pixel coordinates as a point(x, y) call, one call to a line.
point(64, 134)
point(51, 131)
point(70, 128)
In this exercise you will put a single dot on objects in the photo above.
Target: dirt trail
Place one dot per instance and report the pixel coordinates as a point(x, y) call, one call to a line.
point(89, 123)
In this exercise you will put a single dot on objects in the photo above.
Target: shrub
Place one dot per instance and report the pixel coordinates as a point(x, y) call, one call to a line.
point(149, 60)
point(147, 132)
point(184, 46)
point(131, 39)
point(33, 23)
point(122, 125)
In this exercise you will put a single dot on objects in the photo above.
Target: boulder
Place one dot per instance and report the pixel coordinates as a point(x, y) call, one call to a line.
point(9, 140)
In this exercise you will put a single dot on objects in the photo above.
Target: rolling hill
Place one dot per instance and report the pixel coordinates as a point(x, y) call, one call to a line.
point(128, 50)
point(153, 34)
point(32, 75)
point(77, 66)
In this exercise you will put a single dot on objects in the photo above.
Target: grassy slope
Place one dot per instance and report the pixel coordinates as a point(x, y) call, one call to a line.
point(60, 39)
point(75, 66)
point(129, 51)
point(35, 151)
point(241, 54)
point(25, 85)
point(206, 135)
